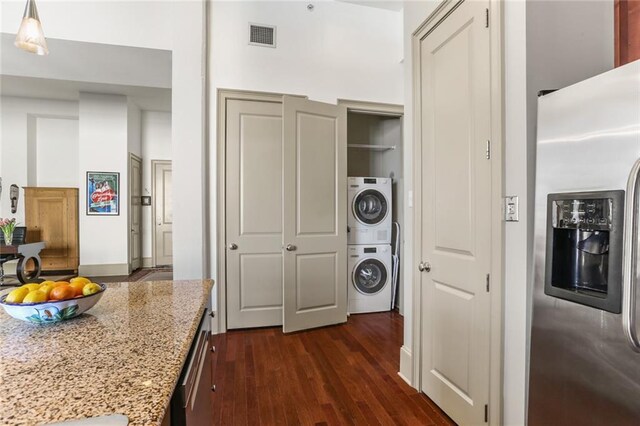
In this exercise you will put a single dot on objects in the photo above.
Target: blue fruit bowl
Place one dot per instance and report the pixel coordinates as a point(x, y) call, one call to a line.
point(50, 312)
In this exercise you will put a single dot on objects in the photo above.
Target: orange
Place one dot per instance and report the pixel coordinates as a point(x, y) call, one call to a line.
point(78, 286)
point(62, 292)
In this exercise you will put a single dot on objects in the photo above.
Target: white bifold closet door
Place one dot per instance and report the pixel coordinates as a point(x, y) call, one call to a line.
point(286, 214)
point(315, 214)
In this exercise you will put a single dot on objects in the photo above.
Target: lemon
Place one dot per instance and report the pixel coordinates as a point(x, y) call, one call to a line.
point(31, 287)
point(36, 296)
point(91, 288)
point(16, 295)
point(43, 283)
point(82, 280)
point(47, 289)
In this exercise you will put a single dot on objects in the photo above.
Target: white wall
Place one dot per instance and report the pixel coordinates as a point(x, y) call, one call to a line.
point(414, 14)
point(189, 146)
point(172, 25)
point(338, 50)
point(156, 145)
point(20, 122)
point(516, 242)
point(57, 152)
point(103, 148)
point(134, 132)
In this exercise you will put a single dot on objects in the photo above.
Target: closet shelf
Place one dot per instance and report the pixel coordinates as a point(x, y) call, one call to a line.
point(371, 147)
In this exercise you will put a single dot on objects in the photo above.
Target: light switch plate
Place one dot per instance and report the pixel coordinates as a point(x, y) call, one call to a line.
point(511, 209)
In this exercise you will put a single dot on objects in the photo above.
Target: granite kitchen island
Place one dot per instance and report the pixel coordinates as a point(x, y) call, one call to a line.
point(123, 356)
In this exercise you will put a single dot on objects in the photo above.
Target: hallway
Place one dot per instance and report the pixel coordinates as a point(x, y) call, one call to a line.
point(338, 375)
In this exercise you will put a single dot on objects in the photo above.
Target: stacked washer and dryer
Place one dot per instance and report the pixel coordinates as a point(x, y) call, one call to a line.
point(369, 239)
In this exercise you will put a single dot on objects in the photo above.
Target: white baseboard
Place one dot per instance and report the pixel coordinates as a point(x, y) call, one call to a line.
point(147, 262)
point(104, 270)
point(406, 365)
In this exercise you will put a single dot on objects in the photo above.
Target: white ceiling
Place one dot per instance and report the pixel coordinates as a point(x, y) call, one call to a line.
point(72, 67)
point(395, 5)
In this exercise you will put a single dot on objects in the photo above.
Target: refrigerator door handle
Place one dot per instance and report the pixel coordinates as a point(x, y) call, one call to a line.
point(630, 259)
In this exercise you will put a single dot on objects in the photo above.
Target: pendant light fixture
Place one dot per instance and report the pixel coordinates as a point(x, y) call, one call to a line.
point(30, 36)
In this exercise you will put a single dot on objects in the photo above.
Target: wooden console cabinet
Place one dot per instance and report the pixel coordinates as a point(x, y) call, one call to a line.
point(52, 216)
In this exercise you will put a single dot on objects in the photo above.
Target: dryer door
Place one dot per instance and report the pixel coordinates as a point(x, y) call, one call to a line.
point(370, 207)
point(370, 276)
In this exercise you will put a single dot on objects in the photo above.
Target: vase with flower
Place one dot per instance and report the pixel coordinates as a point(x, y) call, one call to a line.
point(8, 226)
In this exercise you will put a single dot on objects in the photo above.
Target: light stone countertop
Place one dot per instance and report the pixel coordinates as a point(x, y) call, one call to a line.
point(122, 356)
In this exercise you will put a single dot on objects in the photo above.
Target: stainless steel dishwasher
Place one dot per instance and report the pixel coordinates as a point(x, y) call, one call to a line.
point(191, 404)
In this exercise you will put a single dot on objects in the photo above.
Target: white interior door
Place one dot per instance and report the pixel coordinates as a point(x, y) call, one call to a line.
point(315, 214)
point(455, 213)
point(163, 211)
point(135, 212)
point(254, 213)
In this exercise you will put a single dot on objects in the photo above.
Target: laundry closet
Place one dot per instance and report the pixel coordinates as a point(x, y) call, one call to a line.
point(375, 196)
point(284, 214)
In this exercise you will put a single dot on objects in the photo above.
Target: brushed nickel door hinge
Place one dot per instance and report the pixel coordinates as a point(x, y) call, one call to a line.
point(488, 282)
point(486, 14)
point(488, 150)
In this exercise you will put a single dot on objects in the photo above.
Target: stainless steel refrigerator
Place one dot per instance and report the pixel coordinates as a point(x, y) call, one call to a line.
point(585, 354)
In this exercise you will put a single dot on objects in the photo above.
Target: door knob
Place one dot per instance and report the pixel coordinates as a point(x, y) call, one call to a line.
point(233, 246)
point(424, 267)
point(290, 247)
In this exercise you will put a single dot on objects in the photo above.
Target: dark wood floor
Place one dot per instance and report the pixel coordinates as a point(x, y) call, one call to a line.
point(341, 375)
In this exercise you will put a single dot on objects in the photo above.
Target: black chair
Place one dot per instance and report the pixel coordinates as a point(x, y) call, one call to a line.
point(19, 237)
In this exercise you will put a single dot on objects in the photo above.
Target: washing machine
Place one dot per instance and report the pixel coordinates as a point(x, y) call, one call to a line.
point(369, 269)
point(370, 207)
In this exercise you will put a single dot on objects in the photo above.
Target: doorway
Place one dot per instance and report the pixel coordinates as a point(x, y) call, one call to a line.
point(457, 219)
point(162, 213)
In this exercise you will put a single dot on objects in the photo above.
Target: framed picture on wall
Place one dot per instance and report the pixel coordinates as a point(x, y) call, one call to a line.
point(103, 193)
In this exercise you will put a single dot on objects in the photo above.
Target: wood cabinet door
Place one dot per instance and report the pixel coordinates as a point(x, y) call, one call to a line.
point(627, 31)
point(52, 217)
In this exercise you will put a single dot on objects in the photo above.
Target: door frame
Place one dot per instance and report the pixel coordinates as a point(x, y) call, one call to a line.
point(223, 96)
point(443, 10)
point(153, 207)
point(132, 156)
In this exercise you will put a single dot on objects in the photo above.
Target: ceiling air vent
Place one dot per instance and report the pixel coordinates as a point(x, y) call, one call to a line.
point(262, 35)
